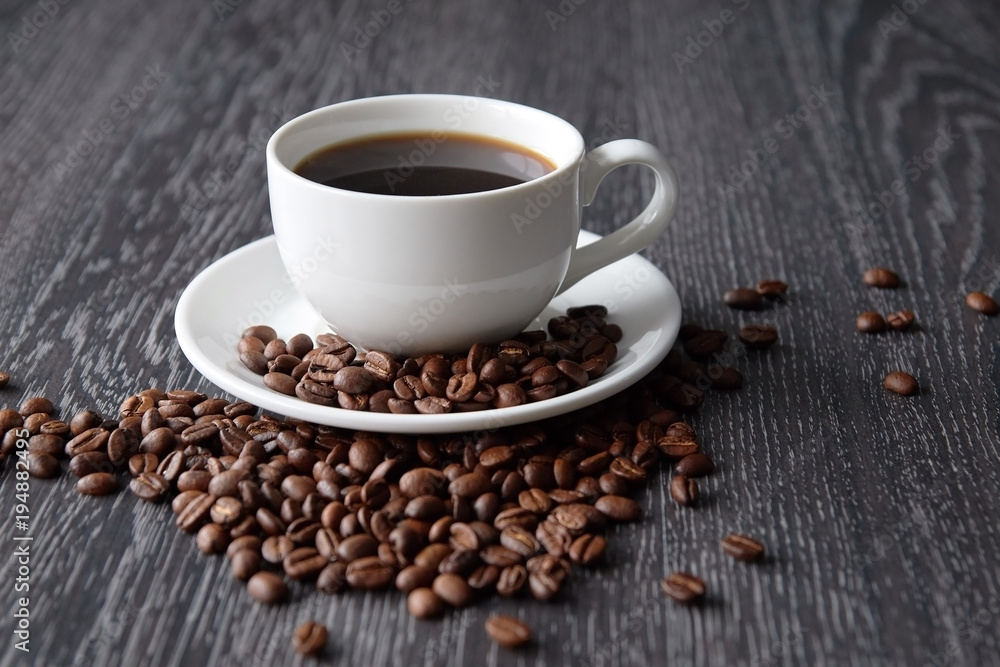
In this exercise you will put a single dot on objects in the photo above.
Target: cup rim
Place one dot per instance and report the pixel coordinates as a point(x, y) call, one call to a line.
point(289, 127)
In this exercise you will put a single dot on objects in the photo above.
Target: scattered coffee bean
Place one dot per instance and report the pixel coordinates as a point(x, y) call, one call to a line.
point(309, 638)
point(684, 490)
point(981, 302)
point(742, 547)
point(771, 288)
point(683, 588)
point(902, 383)
point(901, 320)
point(267, 587)
point(758, 336)
point(4, 379)
point(508, 631)
point(695, 465)
point(881, 277)
point(870, 322)
point(97, 484)
point(424, 603)
point(743, 298)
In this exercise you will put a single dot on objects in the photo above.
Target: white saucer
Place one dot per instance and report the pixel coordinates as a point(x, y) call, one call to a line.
point(250, 286)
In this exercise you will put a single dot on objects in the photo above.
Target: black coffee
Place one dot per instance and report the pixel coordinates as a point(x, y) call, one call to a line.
point(424, 164)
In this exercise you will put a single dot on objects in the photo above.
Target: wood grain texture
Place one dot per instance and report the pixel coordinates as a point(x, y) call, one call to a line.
point(878, 511)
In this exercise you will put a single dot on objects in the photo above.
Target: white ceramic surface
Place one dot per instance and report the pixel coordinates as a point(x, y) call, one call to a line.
point(417, 274)
point(250, 286)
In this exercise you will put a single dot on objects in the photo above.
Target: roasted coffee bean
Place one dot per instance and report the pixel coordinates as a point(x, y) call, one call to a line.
point(901, 320)
point(742, 547)
point(536, 500)
point(97, 484)
point(677, 446)
point(276, 548)
point(725, 378)
point(902, 383)
point(89, 463)
point(261, 332)
point(245, 563)
point(309, 638)
point(870, 322)
point(283, 383)
point(758, 336)
point(194, 514)
point(88, 441)
point(880, 277)
point(683, 588)
point(357, 546)
point(706, 344)
point(369, 573)
point(618, 508)
point(267, 587)
point(627, 470)
point(227, 511)
point(743, 298)
point(303, 563)
point(122, 445)
point(771, 288)
point(453, 589)
point(42, 465)
point(587, 550)
point(695, 465)
point(462, 561)
point(508, 631)
point(422, 602)
point(332, 579)
point(520, 540)
point(36, 405)
point(509, 395)
point(248, 542)
point(4, 379)
point(554, 537)
point(212, 539)
point(981, 302)
point(684, 490)
point(182, 499)
point(55, 427)
point(152, 487)
point(11, 419)
point(415, 576)
point(512, 580)
point(578, 518)
point(471, 485)
point(48, 444)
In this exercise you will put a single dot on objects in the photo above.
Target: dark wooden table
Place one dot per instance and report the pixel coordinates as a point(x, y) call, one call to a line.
point(813, 140)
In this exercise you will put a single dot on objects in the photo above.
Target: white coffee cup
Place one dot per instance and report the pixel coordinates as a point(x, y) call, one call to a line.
point(414, 274)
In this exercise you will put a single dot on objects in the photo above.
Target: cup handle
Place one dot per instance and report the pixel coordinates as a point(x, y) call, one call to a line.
point(640, 232)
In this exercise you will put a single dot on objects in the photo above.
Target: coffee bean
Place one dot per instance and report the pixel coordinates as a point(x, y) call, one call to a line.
point(870, 322)
point(412, 577)
point(618, 508)
point(695, 465)
point(194, 514)
point(10, 419)
point(587, 550)
point(423, 602)
point(520, 540)
point(771, 288)
point(901, 320)
point(36, 405)
point(554, 537)
point(901, 383)
point(627, 470)
point(684, 490)
point(453, 589)
point(880, 277)
point(42, 465)
point(151, 487)
point(512, 580)
point(97, 484)
point(508, 631)
point(332, 579)
point(309, 638)
point(267, 587)
point(471, 485)
point(4, 379)
point(369, 573)
point(981, 302)
point(758, 336)
point(262, 332)
point(742, 547)
point(245, 563)
point(88, 463)
point(743, 298)
point(725, 378)
point(683, 588)
point(212, 539)
point(304, 563)
point(537, 500)
point(357, 546)
point(88, 441)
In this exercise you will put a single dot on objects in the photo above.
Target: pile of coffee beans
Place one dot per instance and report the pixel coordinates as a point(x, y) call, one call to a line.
point(529, 368)
point(445, 519)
